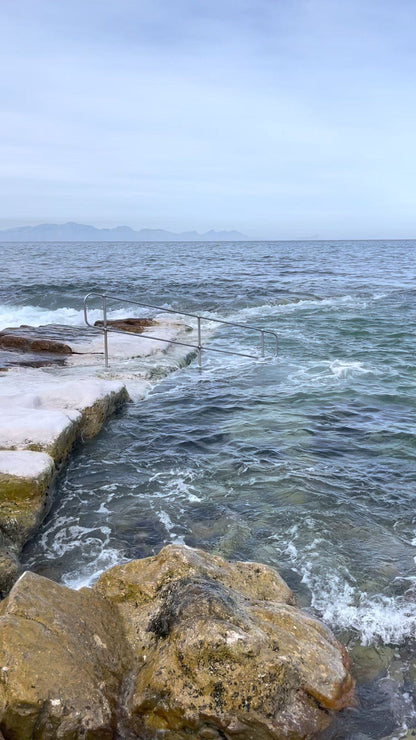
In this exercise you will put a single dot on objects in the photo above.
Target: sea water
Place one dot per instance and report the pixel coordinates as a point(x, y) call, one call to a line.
point(304, 461)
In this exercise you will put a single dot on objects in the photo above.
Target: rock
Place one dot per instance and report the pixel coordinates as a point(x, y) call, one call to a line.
point(11, 359)
point(9, 567)
point(95, 399)
point(25, 476)
point(94, 415)
point(371, 661)
point(220, 647)
point(135, 326)
point(177, 646)
point(21, 340)
point(39, 423)
point(62, 661)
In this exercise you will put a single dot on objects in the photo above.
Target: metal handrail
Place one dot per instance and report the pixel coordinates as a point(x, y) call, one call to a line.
point(199, 347)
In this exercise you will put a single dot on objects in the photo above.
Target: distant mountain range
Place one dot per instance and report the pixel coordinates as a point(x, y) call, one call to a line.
point(73, 232)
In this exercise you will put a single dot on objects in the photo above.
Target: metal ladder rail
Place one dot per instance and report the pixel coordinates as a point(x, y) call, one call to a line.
point(199, 347)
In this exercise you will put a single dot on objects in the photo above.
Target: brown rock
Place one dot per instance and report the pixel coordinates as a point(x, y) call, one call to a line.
point(220, 647)
point(135, 326)
point(19, 341)
point(94, 416)
point(62, 659)
point(23, 502)
point(9, 567)
point(177, 646)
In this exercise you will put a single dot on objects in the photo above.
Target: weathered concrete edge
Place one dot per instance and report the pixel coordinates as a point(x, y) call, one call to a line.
point(26, 500)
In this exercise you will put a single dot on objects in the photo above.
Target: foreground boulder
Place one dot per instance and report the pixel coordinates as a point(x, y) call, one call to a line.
point(63, 658)
point(177, 646)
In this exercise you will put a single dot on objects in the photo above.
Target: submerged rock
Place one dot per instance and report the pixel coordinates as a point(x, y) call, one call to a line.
point(174, 646)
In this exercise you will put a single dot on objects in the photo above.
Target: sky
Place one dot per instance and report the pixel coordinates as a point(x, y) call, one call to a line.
point(284, 119)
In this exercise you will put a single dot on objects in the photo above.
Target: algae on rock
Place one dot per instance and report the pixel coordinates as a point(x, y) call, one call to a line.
point(179, 645)
point(34, 440)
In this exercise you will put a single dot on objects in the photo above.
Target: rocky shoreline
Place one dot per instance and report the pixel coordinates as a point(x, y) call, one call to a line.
point(54, 393)
point(180, 645)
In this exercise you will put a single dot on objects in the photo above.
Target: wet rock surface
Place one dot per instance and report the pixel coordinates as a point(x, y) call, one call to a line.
point(38, 346)
point(11, 358)
point(23, 504)
point(25, 339)
point(180, 645)
point(9, 564)
point(63, 658)
point(38, 430)
point(132, 325)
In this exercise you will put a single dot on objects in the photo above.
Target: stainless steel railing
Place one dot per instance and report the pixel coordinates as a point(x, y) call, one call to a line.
point(106, 328)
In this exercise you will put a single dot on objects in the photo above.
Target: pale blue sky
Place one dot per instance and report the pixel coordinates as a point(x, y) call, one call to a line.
point(280, 118)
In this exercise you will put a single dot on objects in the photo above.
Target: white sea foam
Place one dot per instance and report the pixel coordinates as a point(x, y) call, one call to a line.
point(274, 309)
point(327, 372)
point(379, 296)
point(176, 484)
point(36, 316)
point(166, 520)
point(169, 525)
point(389, 619)
point(339, 602)
point(87, 575)
point(65, 538)
point(342, 369)
point(103, 509)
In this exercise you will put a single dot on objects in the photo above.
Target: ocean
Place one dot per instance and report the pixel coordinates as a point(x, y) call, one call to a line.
point(305, 461)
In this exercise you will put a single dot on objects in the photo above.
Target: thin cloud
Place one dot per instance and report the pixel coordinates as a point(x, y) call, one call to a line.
point(276, 118)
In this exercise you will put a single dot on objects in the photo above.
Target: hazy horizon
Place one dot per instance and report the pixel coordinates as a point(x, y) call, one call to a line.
point(282, 120)
point(241, 237)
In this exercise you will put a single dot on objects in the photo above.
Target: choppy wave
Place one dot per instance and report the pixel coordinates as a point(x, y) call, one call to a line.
point(87, 575)
point(277, 307)
point(378, 618)
point(13, 316)
point(327, 371)
point(336, 597)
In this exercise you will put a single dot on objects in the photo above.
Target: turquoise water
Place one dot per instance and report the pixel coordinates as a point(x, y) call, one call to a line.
point(305, 462)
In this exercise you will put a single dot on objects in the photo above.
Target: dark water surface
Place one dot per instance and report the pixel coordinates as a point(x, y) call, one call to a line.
point(305, 462)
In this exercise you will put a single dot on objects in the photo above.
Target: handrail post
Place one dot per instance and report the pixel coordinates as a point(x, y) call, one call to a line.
point(105, 329)
point(262, 344)
point(199, 344)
